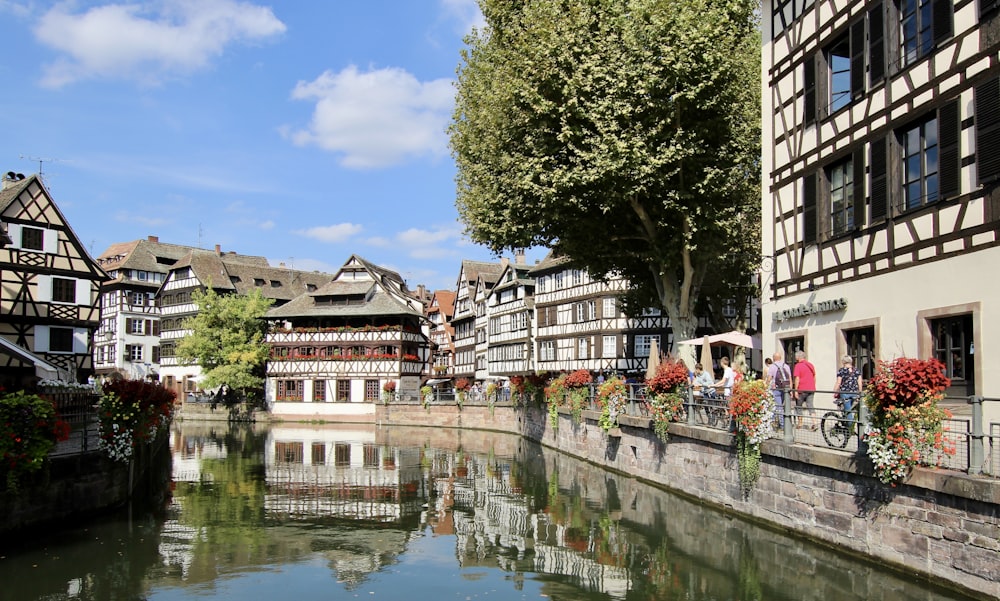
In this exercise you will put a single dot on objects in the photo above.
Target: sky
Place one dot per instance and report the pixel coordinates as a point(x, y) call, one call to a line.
point(303, 131)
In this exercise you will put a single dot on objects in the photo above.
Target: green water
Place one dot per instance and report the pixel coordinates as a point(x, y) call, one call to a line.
point(303, 513)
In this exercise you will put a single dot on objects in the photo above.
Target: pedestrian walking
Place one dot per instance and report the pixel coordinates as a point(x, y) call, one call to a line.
point(805, 387)
point(779, 379)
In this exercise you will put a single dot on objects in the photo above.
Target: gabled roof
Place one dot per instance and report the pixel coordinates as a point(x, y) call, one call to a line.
point(551, 262)
point(473, 270)
point(382, 292)
point(443, 301)
point(142, 255)
point(13, 190)
point(230, 272)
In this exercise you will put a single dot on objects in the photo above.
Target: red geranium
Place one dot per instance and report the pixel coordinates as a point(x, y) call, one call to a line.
point(669, 375)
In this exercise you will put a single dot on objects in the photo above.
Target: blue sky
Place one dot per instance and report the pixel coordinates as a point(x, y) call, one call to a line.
point(300, 130)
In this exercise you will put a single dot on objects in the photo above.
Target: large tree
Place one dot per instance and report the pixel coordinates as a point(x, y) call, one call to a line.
point(227, 340)
point(624, 134)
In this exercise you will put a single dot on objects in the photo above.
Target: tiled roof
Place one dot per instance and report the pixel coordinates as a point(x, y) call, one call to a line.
point(142, 255)
point(551, 261)
point(13, 189)
point(242, 273)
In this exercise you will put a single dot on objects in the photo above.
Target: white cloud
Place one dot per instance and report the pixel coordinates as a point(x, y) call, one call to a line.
point(378, 118)
point(340, 232)
point(266, 225)
point(16, 9)
point(130, 41)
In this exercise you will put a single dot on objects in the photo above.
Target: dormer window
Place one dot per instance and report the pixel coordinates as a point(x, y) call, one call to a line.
point(258, 282)
point(275, 284)
point(311, 287)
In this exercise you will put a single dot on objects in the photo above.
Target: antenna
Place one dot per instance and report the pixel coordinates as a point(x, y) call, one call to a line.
point(41, 161)
point(199, 235)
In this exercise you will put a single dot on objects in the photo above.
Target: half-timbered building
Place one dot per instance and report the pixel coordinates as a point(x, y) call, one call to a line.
point(49, 291)
point(439, 313)
point(881, 164)
point(333, 349)
point(128, 340)
point(226, 273)
point(473, 277)
point(510, 307)
point(580, 325)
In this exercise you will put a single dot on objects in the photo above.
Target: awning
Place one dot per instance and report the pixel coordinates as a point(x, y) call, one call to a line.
point(434, 381)
point(43, 369)
point(733, 338)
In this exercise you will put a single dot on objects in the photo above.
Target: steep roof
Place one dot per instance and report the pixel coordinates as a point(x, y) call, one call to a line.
point(142, 255)
point(445, 302)
point(375, 290)
point(231, 272)
point(551, 262)
point(12, 190)
point(474, 270)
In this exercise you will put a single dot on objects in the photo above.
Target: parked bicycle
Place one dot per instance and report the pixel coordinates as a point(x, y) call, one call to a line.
point(712, 409)
point(840, 425)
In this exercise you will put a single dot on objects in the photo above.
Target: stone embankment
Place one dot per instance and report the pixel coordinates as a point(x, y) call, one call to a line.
point(940, 525)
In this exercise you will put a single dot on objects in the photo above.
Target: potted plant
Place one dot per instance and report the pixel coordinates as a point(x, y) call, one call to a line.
point(612, 395)
point(666, 395)
point(29, 429)
point(388, 391)
point(752, 409)
point(906, 423)
point(426, 395)
point(578, 389)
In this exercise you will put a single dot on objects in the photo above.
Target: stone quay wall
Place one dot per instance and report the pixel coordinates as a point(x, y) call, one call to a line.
point(940, 525)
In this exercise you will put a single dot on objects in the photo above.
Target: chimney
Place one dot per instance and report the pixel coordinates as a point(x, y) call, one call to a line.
point(218, 249)
point(10, 178)
point(153, 238)
point(519, 256)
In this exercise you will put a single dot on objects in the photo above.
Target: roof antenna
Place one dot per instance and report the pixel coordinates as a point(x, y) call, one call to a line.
point(41, 161)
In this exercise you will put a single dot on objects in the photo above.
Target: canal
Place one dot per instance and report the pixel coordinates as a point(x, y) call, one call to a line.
point(310, 512)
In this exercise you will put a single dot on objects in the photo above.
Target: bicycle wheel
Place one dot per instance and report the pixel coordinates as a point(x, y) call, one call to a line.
point(834, 429)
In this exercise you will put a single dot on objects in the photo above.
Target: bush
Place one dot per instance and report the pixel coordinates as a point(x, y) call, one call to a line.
point(29, 429)
point(132, 412)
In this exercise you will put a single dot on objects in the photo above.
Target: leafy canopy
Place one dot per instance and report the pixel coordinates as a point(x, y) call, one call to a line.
point(624, 134)
point(227, 338)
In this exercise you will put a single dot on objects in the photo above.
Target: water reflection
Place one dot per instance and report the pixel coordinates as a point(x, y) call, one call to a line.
point(303, 512)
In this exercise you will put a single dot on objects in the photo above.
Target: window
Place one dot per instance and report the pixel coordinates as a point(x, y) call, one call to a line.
point(134, 326)
point(371, 391)
point(582, 348)
point(547, 350)
point(923, 25)
point(841, 178)
point(341, 454)
point(288, 452)
point(953, 337)
point(609, 348)
point(61, 340)
point(63, 290)
point(289, 390)
point(319, 391)
point(343, 391)
point(138, 299)
point(133, 352)
point(839, 64)
point(860, 344)
point(318, 453)
point(32, 238)
point(919, 155)
point(370, 456)
point(609, 310)
point(643, 344)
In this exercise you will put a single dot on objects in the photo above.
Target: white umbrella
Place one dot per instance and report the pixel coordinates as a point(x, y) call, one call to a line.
point(733, 338)
point(706, 356)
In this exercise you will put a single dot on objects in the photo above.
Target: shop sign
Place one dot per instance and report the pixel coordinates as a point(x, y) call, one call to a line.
point(811, 308)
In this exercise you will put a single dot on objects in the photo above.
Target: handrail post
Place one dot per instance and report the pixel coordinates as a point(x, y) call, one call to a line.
point(863, 420)
point(977, 454)
point(690, 406)
point(787, 420)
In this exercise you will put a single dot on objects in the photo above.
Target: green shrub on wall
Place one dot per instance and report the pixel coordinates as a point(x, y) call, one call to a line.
point(29, 429)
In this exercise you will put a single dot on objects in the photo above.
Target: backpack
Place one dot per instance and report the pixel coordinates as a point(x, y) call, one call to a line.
point(782, 379)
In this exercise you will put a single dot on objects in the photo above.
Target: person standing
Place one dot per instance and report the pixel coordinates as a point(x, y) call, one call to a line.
point(848, 385)
point(728, 378)
point(805, 386)
point(779, 380)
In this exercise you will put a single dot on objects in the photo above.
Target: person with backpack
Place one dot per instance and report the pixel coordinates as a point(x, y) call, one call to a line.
point(779, 378)
point(804, 379)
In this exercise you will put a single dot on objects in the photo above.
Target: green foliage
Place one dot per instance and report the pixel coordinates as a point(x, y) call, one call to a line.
point(29, 428)
point(623, 134)
point(227, 339)
point(132, 412)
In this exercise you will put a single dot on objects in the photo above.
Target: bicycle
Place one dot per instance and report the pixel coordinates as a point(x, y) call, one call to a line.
point(714, 410)
point(840, 425)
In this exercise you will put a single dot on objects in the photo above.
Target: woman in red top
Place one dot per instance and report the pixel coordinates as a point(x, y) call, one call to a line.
point(805, 386)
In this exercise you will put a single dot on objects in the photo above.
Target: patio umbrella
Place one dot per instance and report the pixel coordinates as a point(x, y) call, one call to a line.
point(653, 363)
point(706, 356)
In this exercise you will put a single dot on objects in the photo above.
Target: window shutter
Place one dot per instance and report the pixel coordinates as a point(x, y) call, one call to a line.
point(942, 20)
point(949, 165)
point(876, 45)
point(809, 209)
point(858, 59)
point(809, 87)
point(988, 130)
point(148, 327)
point(156, 327)
point(128, 325)
point(859, 188)
point(878, 175)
